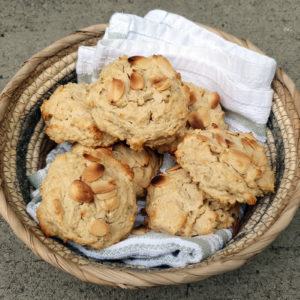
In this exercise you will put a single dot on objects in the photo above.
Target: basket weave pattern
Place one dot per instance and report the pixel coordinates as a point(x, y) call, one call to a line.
point(23, 147)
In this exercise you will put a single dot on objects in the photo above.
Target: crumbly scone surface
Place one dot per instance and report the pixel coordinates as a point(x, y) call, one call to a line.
point(205, 111)
point(144, 165)
point(229, 167)
point(68, 117)
point(88, 200)
point(140, 100)
point(176, 205)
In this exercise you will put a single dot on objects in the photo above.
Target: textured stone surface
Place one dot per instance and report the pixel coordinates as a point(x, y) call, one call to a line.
point(27, 27)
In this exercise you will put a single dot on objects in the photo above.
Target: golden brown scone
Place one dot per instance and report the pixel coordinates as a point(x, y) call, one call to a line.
point(176, 205)
point(89, 200)
point(140, 100)
point(68, 117)
point(143, 165)
point(205, 111)
point(229, 167)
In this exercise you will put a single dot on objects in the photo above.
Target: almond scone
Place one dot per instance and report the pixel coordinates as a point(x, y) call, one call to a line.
point(176, 205)
point(144, 165)
point(86, 199)
point(141, 100)
point(229, 166)
point(205, 112)
point(68, 117)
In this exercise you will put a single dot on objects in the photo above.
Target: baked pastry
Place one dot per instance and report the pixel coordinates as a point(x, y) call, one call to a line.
point(229, 166)
point(68, 117)
point(176, 205)
point(140, 100)
point(205, 111)
point(143, 165)
point(86, 199)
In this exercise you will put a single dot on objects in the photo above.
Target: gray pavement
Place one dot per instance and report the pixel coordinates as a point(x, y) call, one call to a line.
point(26, 27)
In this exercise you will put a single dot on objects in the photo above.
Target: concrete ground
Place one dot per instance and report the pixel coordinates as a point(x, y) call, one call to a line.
point(27, 26)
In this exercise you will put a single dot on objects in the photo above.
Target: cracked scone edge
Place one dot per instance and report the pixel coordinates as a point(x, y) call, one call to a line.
point(231, 167)
point(68, 117)
point(177, 206)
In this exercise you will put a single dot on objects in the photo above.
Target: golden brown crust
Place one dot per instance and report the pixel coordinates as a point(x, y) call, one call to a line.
point(68, 117)
point(230, 167)
point(176, 205)
point(97, 212)
point(137, 99)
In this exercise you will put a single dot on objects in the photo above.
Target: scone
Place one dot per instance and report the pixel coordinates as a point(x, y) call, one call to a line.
point(88, 200)
point(144, 165)
point(229, 167)
point(176, 205)
point(205, 111)
point(140, 100)
point(68, 117)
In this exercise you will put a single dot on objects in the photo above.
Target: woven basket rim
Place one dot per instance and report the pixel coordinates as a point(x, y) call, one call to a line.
point(125, 278)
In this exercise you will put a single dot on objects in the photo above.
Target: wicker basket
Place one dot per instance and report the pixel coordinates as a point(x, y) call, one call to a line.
point(24, 145)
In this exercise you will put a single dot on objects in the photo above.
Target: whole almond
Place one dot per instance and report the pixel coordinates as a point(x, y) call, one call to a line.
point(111, 204)
point(98, 228)
point(115, 90)
point(160, 83)
point(81, 192)
point(102, 187)
point(136, 81)
point(93, 172)
point(139, 61)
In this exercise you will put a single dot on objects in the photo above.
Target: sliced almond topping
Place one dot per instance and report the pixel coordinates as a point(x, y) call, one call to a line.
point(98, 228)
point(103, 187)
point(176, 167)
point(213, 100)
point(139, 61)
point(115, 90)
point(160, 83)
point(58, 208)
point(97, 135)
point(158, 180)
point(90, 157)
point(178, 76)
point(193, 98)
point(229, 143)
point(81, 192)
point(142, 158)
point(136, 81)
point(140, 230)
point(195, 121)
point(220, 140)
point(105, 151)
point(202, 138)
point(111, 204)
point(108, 195)
point(164, 65)
point(93, 172)
point(128, 170)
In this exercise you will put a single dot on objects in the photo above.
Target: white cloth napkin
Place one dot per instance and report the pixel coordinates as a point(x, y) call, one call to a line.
point(241, 77)
point(150, 250)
